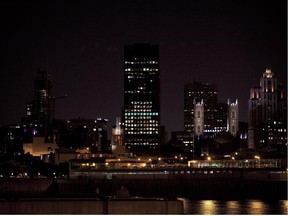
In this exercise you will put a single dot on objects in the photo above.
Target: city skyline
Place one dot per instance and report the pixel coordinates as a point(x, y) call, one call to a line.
point(82, 46)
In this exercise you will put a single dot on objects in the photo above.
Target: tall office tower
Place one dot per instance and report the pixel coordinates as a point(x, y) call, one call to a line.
point(267, 123)
point(194, 93)
point(233, 118)
point(141, 96)
point(42, 101)
point(221, 117)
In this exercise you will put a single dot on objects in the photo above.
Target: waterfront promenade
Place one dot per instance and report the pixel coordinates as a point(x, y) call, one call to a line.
point(194, 183)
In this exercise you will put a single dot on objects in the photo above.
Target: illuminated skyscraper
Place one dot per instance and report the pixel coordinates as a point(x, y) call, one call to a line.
point(141, 96)
point(267, 124)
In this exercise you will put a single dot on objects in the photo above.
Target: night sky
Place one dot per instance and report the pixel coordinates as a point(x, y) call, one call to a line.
point(228, 43)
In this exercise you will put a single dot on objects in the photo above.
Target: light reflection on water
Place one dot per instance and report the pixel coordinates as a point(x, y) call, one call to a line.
point(217, 207)
point(232, 207)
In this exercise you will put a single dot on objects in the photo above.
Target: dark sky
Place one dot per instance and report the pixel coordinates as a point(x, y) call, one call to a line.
point(228, 43)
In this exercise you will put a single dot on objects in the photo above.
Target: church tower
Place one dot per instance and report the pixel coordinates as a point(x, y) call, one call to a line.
point(198, 118)
point(233, 118)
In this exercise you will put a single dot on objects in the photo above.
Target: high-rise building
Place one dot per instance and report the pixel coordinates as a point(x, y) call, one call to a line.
point(193, 94)
point(39, 113)
point(42, 112)
point(141, 96)
point(221, 117)
point(267, 124)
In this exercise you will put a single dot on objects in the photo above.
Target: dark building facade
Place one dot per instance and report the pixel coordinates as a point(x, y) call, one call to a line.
point(10, 140)
point(141, 96)
point(39, 112)
point(204, 117)
point(267, 126)
point(194, 93)
point(186, 138)
point(90, 134)
point(42, 109)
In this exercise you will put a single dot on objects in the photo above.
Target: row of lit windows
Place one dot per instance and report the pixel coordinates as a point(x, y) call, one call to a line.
point(279, 130)
point(141, 62)
point(141, 69)
point(142, 132)
point(140, 110)
point(220, 128)
point(137, 91)
point(137, 128)
point(141, 107)
point(192, 94)
point(140, 127)
point(144, 143)
point(141, 124)
point(212, 130)
point(136, 73)
point(145, 121)
point(141, 114)
point(141, 102)
point(138, 77)
point(138, 117)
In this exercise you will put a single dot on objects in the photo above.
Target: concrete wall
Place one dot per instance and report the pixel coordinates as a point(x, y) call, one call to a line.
point(24, 185)
point(90, 206)
point(51, 207)
point(145, 207)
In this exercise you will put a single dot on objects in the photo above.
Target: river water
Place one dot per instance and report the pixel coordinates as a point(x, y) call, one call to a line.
point(218, 207)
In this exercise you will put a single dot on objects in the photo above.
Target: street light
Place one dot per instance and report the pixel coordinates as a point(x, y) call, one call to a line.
point(258, 158)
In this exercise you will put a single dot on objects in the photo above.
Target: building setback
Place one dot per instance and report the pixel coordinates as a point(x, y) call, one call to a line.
point(141, 96)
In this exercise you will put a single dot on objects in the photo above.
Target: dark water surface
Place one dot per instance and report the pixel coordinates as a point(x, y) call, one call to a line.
point(218, 207)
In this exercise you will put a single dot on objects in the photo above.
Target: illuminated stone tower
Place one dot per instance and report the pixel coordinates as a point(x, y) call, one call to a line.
point(233, 118)
point(141, 97)
point(198, 118)
point(117, 134)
